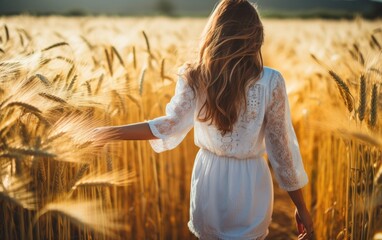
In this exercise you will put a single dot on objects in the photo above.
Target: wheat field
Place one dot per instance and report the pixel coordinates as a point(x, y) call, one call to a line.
point(62, 77)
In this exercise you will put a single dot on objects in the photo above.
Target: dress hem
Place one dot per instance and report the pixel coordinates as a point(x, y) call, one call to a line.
point(221, 236)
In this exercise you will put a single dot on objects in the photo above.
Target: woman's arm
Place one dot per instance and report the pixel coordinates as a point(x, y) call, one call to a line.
point(135, 131)
point(297, 198)
point(303, 218)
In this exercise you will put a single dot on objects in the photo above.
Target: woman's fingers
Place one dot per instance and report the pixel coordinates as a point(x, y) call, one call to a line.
point(304, 219)
point(306, 236)
point(310, 232)
point(99, 137)
point(302, 236)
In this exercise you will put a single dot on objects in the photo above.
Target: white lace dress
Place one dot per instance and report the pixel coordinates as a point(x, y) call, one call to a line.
point(231, 186)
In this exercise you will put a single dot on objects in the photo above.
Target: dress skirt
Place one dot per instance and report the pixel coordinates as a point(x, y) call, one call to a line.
point(230, 198)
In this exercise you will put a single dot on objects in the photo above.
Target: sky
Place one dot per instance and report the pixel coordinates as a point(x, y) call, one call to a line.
point(183, 6)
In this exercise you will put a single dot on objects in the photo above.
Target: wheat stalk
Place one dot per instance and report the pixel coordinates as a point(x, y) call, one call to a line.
point(141, 81)
point(109, 161)
point(55, 46)
point(65, 59)
point(84, 214)
point(373, 106)
point(134, 58)
point(5, 101)
point(44, 80)
point(346, 94)
point(362, 98)
point(360, 55)
point(21, 38)
point(88, 44)
point(24, 134)
point(318, 61)
point(56, 78)
point(41, 173)
point(52, 98)
point(114, 51)
point(109, 62)
point(71, 71)
point(89, 88)
point(120, 100)
point(58, 172)
point(373, 69)
point(135, 101)
point(148, 48)
point(30, 152)
point(41, 118)
point(147, 42)
point(7, 37)
point(361, 136)
point(26, 34)
point(23, 105)
point(111, 178)
point(374, 42)
point(162, 69)
point(99, 84)
point(54, 137)
point(81, 172)
point(72, 82)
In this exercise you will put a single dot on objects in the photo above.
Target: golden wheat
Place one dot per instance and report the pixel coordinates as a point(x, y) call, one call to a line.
point(60, 80)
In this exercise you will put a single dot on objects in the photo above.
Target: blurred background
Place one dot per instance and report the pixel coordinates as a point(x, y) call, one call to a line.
point(269, 8)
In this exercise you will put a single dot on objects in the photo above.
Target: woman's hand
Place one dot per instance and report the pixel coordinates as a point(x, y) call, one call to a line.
point(304, 224)
point(101, 136)
point(303, 219)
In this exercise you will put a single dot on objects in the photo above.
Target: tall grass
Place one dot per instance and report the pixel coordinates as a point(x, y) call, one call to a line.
point(60, 78)
point(336, 100)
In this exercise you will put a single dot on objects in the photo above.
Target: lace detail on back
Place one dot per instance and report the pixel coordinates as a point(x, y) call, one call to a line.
point(231, 140)
point(253, 104)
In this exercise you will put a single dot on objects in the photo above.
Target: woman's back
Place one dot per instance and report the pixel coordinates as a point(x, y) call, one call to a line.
point(246, 138)
point(266, 117)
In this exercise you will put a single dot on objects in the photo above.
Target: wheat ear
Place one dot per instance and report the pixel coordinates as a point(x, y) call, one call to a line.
point(55, 46)
point(52, 98)
point(134, 58)
point(120, 59)
point(374, 42)
point(141, 81)
point(148, 49)
point(109, 62)
point(347, 96)
point(373, 106)
point(362, 98)
point(7, 37)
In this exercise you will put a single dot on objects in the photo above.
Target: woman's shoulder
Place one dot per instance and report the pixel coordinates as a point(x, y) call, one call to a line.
point(268, 76)
point(269, 73)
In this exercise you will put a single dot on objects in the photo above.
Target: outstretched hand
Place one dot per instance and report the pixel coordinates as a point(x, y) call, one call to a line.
point(304, 225)
point(101, 136)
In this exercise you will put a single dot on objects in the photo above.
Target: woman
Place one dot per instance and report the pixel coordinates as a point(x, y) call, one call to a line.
point(234, 104)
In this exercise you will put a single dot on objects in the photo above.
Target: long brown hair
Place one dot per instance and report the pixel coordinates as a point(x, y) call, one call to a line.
point(229, 60)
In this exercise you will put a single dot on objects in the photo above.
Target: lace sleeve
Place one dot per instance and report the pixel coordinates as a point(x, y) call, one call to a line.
point(280, 139)
point(178, 121)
